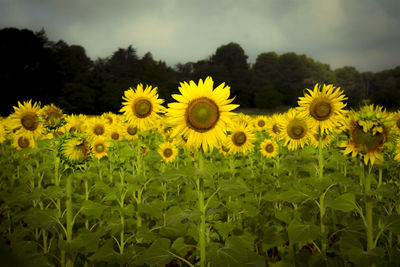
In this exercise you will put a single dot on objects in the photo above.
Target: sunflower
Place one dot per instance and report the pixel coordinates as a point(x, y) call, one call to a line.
point(296, 130)
point(109, 117)
point(53, 116)
point(21, 141)
point(100, 147)
point(223, 146)
point(115, 132)
point(322, 106)
point(97, 126)
point(367, 132)
point(75, 123)
point(74, 149)
point(269, 148)
point(273, 126)
point(142, 106)
point(326, 139)
point(201, 113)
point(241, 139)
point(260, 123)
point(396, 122)
point(26, 120)
point(130, 131)
point(2, 131)
point(242, 118)
point(168, 151)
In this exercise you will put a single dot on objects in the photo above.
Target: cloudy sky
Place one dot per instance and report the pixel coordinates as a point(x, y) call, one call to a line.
point(360, 33)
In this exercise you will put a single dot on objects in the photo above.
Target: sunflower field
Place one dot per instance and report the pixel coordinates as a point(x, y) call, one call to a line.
point(192, 183)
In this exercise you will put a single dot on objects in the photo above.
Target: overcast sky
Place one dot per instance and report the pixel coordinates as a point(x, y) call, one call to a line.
point(360, 33)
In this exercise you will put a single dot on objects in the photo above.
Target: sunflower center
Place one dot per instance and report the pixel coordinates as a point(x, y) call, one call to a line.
point(275, 129)
point(225, 149)
point(261, 123)
point(99, 148)
point(320, 109)
point(53, 118)
point(239, 138)
point(167, 152)
point(202, 114)
point(115, 136)
point(142, 108)
point(83, 148)
point(98, 130)
point(23, 142)
point(29, 121)
point(269, 148)
point(132, 130)
point(368, 141)
point(296, 129)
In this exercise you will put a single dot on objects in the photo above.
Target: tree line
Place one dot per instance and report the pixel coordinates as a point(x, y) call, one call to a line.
point(34, 67)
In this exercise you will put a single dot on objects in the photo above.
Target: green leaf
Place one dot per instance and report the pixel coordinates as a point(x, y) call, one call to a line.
point(156, 254)
point(105, 253)
point(345, 202)
point(91, 208)
point(299, 232)
point(292, 195)
point(180, 247)
point(41, 218)
point(152, 209)
point(223, 228)
point(232, 187)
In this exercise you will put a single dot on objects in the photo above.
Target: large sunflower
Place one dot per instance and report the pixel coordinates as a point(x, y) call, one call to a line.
point(168, 151)
point(269, 148)
point(241, 139)
point(74, 149)
point(26, 119)
point(322, 106)
point(367, 132)
point(296, 130)
point(142, 106)
point(201, 114)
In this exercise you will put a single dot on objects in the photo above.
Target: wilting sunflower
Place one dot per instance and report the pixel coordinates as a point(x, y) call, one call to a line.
point(223, 146)
point(168, 151)
point(130, 131)
point(260, 123)
point(53, 116)
point(241, 139)
point(269, 148)
point(396, 122)
point(296, 130)
point(142, 106)
point(201, 113)
point(327, 138)
point(21, 141)
point(322, 106)
point(26, 120)
point(97, 126)
point(367, 132)
point(100, 147)
point(274, 127)
point(74, 149)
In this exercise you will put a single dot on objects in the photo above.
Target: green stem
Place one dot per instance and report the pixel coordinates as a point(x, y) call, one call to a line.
point(68, 205)
point(322, 197)
point(368, 207)
point(202, 227)
point(86, 198)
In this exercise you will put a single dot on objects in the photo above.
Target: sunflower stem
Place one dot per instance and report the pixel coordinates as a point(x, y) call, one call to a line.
point(322, 197)
point(68, 205)
point(202, 227)
point(368, 207)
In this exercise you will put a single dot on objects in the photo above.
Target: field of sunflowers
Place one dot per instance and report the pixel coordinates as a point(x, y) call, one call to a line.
point(192, 183)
